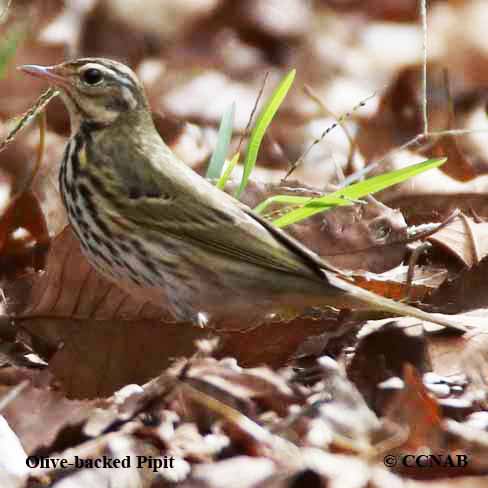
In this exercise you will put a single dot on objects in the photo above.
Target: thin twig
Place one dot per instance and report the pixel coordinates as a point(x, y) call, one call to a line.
point(423, 17)
point(418, 139)
point(37, 108)
point(412, 262)
point(426, 134)
point(456, 132)
point(309, 91)
point(319, 139)
point(253, 111)
point(42, 123)
point(430, 229)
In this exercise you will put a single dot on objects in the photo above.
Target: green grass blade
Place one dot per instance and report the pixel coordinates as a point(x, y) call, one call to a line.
point(262, 123)
point(217, 161)
point(228, 171)
point(356, 191)
point(292, 200)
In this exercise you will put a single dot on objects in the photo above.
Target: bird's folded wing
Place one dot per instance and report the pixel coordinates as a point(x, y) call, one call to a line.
point(231, 232)
point(191, 209)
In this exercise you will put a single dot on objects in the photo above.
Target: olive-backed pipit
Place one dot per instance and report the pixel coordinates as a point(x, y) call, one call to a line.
point(145, 219)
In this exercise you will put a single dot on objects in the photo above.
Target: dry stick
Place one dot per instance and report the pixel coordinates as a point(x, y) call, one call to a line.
point(432, 228)
point(316, 98)
point(419, 138)
point(282, 449)
point(41, 120)
point(37, 110)
point(426, 134)
point(457, 132)
point(423, 17)
point(38, 107)
point(412, 262)
point(319, 139)
point(253, 111)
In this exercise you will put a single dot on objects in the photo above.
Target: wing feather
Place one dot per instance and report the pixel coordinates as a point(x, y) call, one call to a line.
point(191, 209)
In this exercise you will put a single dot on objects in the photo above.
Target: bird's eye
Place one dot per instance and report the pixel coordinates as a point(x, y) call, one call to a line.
point(92, 76)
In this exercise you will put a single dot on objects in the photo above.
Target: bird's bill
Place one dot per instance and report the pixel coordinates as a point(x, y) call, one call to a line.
point(51, 74)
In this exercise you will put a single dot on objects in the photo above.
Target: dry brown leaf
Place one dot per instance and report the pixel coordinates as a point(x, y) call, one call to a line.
point(391, 347)
point(110, 338)
point(459, 360)
point(394, 283)
point(458, 166)
point(399, 119)
point(421, 203)
point(71, 288)
point(49, 413)
point(417, 410)
point(399, 115)
point(98, 357)
point(446, 354)
point(466, 291)
point(442, 117)
point(464, 238)
point(430, 432)
point(24, 237)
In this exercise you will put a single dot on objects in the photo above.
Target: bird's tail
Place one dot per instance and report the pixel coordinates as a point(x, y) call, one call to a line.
point(377, 302)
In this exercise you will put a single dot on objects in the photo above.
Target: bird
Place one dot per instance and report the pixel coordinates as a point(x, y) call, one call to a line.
point(146, 221)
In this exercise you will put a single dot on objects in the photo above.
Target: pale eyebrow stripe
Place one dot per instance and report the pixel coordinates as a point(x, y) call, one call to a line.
point(126, 76)
point(125, 79)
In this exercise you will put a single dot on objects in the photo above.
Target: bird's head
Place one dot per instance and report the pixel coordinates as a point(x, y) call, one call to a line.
point(95, 90)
